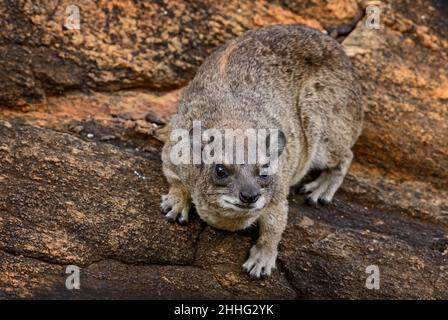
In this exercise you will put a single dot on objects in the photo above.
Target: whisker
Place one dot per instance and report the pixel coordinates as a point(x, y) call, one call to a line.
point(217, 191)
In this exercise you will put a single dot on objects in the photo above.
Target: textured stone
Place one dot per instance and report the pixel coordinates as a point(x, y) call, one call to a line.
point(66, 199)
point(120, 44)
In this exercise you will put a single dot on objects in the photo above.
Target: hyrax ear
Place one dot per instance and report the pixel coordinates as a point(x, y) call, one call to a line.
point(273, 136)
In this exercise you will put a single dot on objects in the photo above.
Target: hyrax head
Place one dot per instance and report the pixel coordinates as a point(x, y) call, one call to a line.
point(238, 173)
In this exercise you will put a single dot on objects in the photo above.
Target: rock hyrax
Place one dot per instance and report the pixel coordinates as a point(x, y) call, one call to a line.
point(286, 77)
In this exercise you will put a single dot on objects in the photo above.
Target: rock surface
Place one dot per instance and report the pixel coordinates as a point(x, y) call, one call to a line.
point(80, 176)
point(66, 201)
point(119, 44)
point(405, 82)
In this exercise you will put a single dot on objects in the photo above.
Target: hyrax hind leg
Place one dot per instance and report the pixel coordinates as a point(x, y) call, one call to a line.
point(325, 186)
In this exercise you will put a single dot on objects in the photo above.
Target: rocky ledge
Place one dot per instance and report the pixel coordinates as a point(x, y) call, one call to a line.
point(80, 170)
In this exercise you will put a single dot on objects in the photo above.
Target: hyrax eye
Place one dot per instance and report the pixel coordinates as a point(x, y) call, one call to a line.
point(221, 171)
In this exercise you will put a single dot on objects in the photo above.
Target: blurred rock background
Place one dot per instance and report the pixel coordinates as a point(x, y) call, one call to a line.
point(82, 121)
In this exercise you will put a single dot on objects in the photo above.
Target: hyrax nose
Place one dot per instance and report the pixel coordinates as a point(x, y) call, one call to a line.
point(249, 196)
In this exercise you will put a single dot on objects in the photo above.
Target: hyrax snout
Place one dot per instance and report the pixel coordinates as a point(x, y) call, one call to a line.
point(261, 112)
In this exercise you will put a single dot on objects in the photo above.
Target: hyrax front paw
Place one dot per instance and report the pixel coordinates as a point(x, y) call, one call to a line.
point(261, 261)
point(176, 205)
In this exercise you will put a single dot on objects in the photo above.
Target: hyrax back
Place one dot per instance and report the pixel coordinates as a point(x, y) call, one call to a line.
point(292, 78)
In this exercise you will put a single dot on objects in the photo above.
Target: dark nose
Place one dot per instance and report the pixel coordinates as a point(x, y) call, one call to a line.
point(249, 197)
